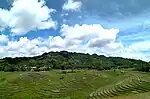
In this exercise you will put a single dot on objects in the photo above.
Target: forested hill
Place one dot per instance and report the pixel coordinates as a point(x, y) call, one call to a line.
point(70, 60)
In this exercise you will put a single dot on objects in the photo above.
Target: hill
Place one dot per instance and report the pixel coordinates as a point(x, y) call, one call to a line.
point(68, 60)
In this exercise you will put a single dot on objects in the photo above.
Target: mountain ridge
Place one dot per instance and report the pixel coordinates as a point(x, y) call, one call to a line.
point(70, 60)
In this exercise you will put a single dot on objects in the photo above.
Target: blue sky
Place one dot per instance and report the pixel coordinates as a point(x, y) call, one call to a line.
point(106, 27)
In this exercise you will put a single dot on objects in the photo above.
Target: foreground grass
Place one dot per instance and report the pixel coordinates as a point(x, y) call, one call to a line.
point(82, 84)
point(145, 95)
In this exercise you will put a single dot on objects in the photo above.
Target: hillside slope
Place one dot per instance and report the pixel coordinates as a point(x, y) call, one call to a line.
point(69, 60)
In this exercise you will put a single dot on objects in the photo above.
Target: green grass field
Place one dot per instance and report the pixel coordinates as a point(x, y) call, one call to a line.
point(82, 84)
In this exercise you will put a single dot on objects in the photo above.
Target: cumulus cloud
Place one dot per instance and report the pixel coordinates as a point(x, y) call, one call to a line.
point(27, 15)
point(128, 53)
point(23, 47)
point(78, 38)
point(72, 5)
point(140, 46)
point(56, 42)
point(4, 19)
point(3, 38)
point(94, 35)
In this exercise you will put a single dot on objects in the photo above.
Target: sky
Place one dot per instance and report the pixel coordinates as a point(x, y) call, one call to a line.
point(118, 28)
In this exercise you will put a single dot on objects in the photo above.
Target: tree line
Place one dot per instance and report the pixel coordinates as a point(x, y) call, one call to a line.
point(70, 60)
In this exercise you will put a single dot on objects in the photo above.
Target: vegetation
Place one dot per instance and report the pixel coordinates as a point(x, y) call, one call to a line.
point(79, 84)
point(68, 60)
point(74, 76)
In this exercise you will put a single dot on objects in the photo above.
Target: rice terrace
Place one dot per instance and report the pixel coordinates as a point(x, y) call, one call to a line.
point(81, 84)
point(55, 75)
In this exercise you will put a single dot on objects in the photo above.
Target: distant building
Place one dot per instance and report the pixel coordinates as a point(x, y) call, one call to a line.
point(43, 68)
point(33, 68)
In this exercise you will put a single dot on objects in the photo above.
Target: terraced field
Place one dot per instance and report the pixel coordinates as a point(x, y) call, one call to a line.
point(81, 84)
point(133, 84)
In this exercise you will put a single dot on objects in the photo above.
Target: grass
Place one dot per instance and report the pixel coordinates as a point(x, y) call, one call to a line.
point(82, 84)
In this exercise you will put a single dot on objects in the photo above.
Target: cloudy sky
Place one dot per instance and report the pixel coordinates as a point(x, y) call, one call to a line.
point(106, 27)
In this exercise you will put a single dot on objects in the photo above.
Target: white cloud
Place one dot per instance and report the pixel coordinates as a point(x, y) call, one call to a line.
point(26, 47)
point(72, 5)
point(114, 46)
point(56, 42)
point(38, 46)
point(23, 47)
point(4, 18)
point(140, 46)
point(95, 35)
point(138, 50)
point(79, 38)
point(73, 38)
point(3, 38)
point(128, 53)
point(64, 14)
point(96, 39)
point(27, 15)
